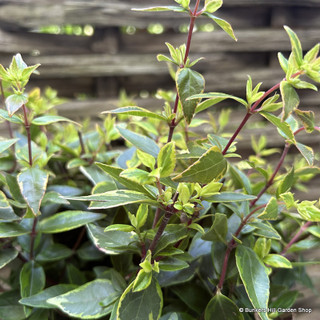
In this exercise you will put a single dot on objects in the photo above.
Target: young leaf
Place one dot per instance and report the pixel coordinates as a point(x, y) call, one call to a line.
point(163, 8)
point(211, 165)
point(286, 182)
point(33, 183)
point(222, 308)
point(290, 99)
point(135, 111)
point(223, 24)
point(308, 211)
point(254, 277)
point(219, 229)
point(137, 175)
point(141, 142)
point(277, 261)
point(142, 281)
point(189, 83)
point(146, 304)
point(92, 293)
point(167, 159)
point(270, 212)
point(39, 300)
point(45, 120)
point(116, 198)
point(212, 5)
point(283, 62)
point(68, 220)
point(15, 102)
point(295, 45)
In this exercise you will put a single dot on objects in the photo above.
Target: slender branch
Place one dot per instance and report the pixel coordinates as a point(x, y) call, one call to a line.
point(80, 237)
point(296, 237)
point(81, 143)
point(33, 236)
point(156, 217)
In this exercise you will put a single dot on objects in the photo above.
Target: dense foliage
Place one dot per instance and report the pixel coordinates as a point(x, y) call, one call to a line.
point(176, 226)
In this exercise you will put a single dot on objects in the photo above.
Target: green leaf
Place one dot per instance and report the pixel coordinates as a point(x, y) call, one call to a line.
point(295, 45)
point(146, 304)
point(15, 102)
point(265, 229)
point(240, 179)
point(135, 111)
point(85, 301)
point(270, 212)
point(142, 281)
point(119, 227)
point(222, 308)
point(307, 119)
point(212, 5)
point(172, 264)
point(189, 83)
point(162, 8)
point(14, 119)
point(290, 99)
point(286, 182)
point(115, 173)
point(33, 184)
point(6, 144)
point(139, 141)
point(6, 212)
point(54, 252)
point(254, 277)
point(167, 159)
point(284, 127)
point(211, 165)
point(45, 120)
point(39, 300)
point(12, 229)
point(277, 261)
point(184, 3)
point(223, 24)
point(68, 220)
point(9, 306)
point(214, 98)
point(219, 229)
point(116, 198)
point(315, 230)
point(308, 211)
point(307, 152)
point(229, 197)
point(137, 175)
point(112, 242)
point(7, 255)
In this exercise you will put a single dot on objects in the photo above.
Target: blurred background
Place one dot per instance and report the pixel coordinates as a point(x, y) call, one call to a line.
point(97, 52)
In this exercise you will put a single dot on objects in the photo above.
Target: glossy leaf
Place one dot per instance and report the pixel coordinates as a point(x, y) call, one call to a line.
point(277, 261)
point(136, 111)
point(172, 264)
point(15, 102)
point(282, 126)
point(7, 255)
point(240, 179)
point(68, 220)
point(286, 182)
point(218, 230)
point(315, 230)
point(295, 45)
point(39, 300)
point(142, 281)
point(6, 212)
point(307, 118)
point(10, 309)
point(45, 120)
point(54, 252)
point(33, 184)
point(270, 212)
point(116, 198)
point(139, 141)
point(137, 175)
point(14, 119)
point(265, 229)
point(308, 211)
point(189, 83)
point(162, 8)
point(6, 144)
point(254, 277)
point(167, 159)
point(85, 301)
point(146, 304)
point(112, 242)
point(211, 165)
point(221, 307)
point(229, 197)
point(307, 152)
point(212, 5)
point(290, 99)
point(12, 229)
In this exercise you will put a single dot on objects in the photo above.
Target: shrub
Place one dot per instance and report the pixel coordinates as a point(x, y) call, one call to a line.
point(179, 225)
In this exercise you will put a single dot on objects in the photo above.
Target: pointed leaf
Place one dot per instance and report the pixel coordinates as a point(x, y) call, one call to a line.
point(85, 301)
point(14, 119)
point(163, 8)
point(7, 255)
point(45, 120)
point(212, 5)
point(295, 45)
point(167, 159)
point(307, 119)
point(222, 308)
point(146, 304)
point(307, 152)
point(254, 277)
point(219, 229)
point(33, 184)
point(6, 144)
point(15, 102)
point(135, 111)
point(277, 261)
point(189, 83)
point(229, 197)
point(6, 212)
point(290, 99)
point(68, 220)
point(139, 141)
point(12, 229)
point(211, 165)
point(270, 212)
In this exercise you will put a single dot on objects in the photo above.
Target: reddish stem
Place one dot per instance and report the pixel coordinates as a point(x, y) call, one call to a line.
point(33, 236)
